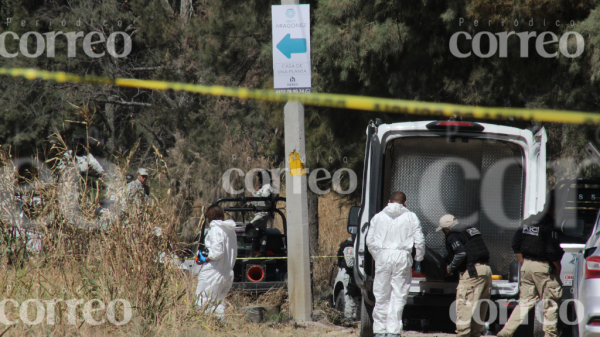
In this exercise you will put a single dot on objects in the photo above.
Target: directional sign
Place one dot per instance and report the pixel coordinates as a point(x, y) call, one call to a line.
point(291, 48)
point(288, 46)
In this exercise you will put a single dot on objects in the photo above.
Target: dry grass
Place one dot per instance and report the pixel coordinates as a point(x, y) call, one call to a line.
point(118, 258)
point(333, 218)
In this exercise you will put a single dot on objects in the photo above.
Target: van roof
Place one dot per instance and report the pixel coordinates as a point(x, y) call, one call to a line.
point(487, 129)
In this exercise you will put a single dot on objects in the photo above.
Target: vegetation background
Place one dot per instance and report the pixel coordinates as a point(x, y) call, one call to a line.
point(384, 48)
point(387, 48)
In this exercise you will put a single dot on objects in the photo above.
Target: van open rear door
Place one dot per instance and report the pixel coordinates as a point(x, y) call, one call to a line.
point(537, 198)
point(370, 205)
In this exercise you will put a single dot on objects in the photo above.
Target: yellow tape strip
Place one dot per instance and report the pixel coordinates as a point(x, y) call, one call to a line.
point(326, 100)
point(265, 258)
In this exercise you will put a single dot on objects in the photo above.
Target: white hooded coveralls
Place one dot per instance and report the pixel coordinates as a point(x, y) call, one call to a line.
point(392, 234)
point(216, 277)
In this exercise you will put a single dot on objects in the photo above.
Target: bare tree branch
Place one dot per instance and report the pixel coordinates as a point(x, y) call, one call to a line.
point(167, 7)
point(126, 103)
point(145, 68)
point(168, 99)
point(186, 10)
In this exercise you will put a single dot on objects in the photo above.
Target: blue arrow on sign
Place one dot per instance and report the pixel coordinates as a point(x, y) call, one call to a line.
point(288, 46)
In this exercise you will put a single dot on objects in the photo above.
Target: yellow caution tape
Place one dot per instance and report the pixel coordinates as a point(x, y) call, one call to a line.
point(388, 105)
point(265, 258)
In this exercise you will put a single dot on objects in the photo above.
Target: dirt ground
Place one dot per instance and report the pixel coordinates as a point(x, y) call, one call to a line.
point(321, 329)
point(324, 324)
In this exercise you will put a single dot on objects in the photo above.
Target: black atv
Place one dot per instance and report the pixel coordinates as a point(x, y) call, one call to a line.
point(251, 273)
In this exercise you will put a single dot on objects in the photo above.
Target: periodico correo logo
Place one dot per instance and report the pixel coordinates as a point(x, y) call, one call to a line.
point(33, 44)
point(498, 42)
point(46, 42)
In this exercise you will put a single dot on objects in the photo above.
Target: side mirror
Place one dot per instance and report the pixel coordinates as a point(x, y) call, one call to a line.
point(353, 220)
point(573, 227)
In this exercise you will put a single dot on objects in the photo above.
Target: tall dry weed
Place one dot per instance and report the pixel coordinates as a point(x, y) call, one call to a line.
point(57, 246)
point(333, 218)
point(61, 249)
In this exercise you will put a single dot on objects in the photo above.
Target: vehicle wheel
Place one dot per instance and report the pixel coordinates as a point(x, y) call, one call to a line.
point(340, 302)
point(366, 319)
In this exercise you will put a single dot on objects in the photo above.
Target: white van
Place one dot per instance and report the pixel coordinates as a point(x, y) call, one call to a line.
point(491, 176)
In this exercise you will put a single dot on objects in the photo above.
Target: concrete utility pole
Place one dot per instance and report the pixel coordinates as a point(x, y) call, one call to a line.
point(297, 215)
point(299, 286)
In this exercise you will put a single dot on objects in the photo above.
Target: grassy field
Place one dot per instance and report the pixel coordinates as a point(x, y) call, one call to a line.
point(98, 265)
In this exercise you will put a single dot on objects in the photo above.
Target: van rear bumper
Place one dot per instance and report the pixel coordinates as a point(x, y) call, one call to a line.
point(500, 288)
point(430, 300)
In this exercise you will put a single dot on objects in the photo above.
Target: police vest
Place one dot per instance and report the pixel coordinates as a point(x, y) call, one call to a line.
point(533, 244)
point(477, 251)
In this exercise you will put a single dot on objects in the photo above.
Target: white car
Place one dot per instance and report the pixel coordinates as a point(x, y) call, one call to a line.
point(586, 285)
point(346, 294)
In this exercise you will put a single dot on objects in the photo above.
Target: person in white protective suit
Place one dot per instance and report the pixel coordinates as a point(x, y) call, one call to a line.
point(216, 275)
point(392, 234)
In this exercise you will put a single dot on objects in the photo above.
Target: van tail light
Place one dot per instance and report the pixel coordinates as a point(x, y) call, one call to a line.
point(592, 270)
point(455, 126)
point(595, 321)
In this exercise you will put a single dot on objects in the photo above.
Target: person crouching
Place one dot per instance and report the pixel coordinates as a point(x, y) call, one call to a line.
point(470, 257)
point(216, 275)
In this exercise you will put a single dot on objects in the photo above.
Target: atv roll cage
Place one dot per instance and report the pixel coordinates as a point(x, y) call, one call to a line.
point(251, 273)
point(244, 208)
point(243, 200)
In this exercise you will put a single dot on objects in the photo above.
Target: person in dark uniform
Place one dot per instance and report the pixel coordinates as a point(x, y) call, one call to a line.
point(258, 225)
point(536, 247)
point(470, 258)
